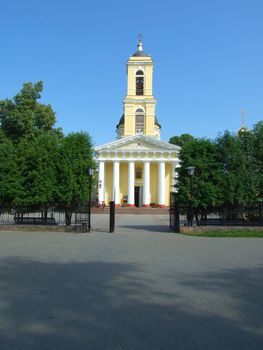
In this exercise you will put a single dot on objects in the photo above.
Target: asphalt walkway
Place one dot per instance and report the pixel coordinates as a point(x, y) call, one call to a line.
point(139, 288)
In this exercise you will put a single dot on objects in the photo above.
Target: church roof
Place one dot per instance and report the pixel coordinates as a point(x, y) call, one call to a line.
point(140, 54)
point(121, 122)
point(243, 128)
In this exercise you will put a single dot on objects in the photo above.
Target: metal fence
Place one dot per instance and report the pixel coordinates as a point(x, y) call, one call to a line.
point(184, 214)
point(52, 216)
point(249, 215)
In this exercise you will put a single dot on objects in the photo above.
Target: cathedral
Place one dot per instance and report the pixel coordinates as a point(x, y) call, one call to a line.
point(137, 169)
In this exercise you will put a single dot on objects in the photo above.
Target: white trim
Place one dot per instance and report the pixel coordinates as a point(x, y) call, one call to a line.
point(143, 63)
point(133, 159)
point(142, 69)
point(139, 107)
point(148, 101)
point(138, 137)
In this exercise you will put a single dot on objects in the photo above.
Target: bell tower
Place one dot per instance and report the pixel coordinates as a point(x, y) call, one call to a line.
point(139, 104)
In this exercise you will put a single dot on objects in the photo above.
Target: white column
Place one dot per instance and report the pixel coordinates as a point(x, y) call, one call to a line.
point(146, 184)
point(131, 184)
point(116, 182)
point(161, 184)
point(101, 183)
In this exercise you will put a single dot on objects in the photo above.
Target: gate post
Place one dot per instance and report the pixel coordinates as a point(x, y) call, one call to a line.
point(112, 216)
point(174, 213)
point(176, 217)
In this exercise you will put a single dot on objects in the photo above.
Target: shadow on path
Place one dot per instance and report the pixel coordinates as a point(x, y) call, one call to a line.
point(153, 228)
point(103, 305)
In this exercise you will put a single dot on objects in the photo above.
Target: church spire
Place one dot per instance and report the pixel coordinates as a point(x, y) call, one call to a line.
point(140, 45)
point(243, 118)
point(139, 104)
point(243, 128)
point(140, 52)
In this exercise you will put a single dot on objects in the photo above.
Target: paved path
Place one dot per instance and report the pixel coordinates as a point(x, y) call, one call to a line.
point(135, 289)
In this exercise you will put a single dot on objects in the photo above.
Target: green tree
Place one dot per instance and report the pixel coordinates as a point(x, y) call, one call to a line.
point(239, 181)
point(37, 164)
point(23, 115)
point(181, 140)
point(75, 157)
point(10, 181)
point(207, 179)
point(257, 145)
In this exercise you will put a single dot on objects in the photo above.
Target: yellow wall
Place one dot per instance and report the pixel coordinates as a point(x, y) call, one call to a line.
point(129, 120)
point(138, 182)
point(147, 68)
point(146, 101)
point(168, 182)
point(108, 182)
point(123, 181)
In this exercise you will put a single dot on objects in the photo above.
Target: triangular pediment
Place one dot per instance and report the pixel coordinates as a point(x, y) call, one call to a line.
point(137, 142)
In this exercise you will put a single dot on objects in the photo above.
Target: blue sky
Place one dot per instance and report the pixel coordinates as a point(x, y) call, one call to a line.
point(208, 58)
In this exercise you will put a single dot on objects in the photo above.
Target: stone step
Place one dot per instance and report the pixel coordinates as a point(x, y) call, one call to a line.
point(127, 210)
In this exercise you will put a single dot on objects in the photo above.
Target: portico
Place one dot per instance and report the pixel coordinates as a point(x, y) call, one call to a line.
point(136, 161)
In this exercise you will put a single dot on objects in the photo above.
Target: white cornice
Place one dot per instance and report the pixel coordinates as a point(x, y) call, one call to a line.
point(149, 100)
point(141, 160)
point(143, 63)
point(139, 138)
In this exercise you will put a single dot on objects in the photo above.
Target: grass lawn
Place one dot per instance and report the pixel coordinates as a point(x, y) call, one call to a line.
point(226, 233)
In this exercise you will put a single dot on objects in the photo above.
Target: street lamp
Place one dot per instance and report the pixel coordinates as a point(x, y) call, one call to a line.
point(90, 173)
point(190, 173)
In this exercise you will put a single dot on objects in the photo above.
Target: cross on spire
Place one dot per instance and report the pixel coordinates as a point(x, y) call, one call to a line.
point(140, 45)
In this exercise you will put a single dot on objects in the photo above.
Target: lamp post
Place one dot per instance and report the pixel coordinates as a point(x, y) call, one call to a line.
point(90, 173)
point(190, 173)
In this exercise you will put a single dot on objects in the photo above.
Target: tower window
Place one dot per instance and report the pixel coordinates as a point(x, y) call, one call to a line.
point(139, 82)
point(139, 121)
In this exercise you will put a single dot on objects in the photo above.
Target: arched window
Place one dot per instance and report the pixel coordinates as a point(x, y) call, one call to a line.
point(139, 82)
point(139, 121)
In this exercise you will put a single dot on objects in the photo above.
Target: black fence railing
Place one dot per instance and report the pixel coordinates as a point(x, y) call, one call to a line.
point(77, 217)
point(249, 215)
point(184, 214)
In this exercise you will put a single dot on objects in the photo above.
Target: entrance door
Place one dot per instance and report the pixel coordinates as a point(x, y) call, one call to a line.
point(137, 196)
